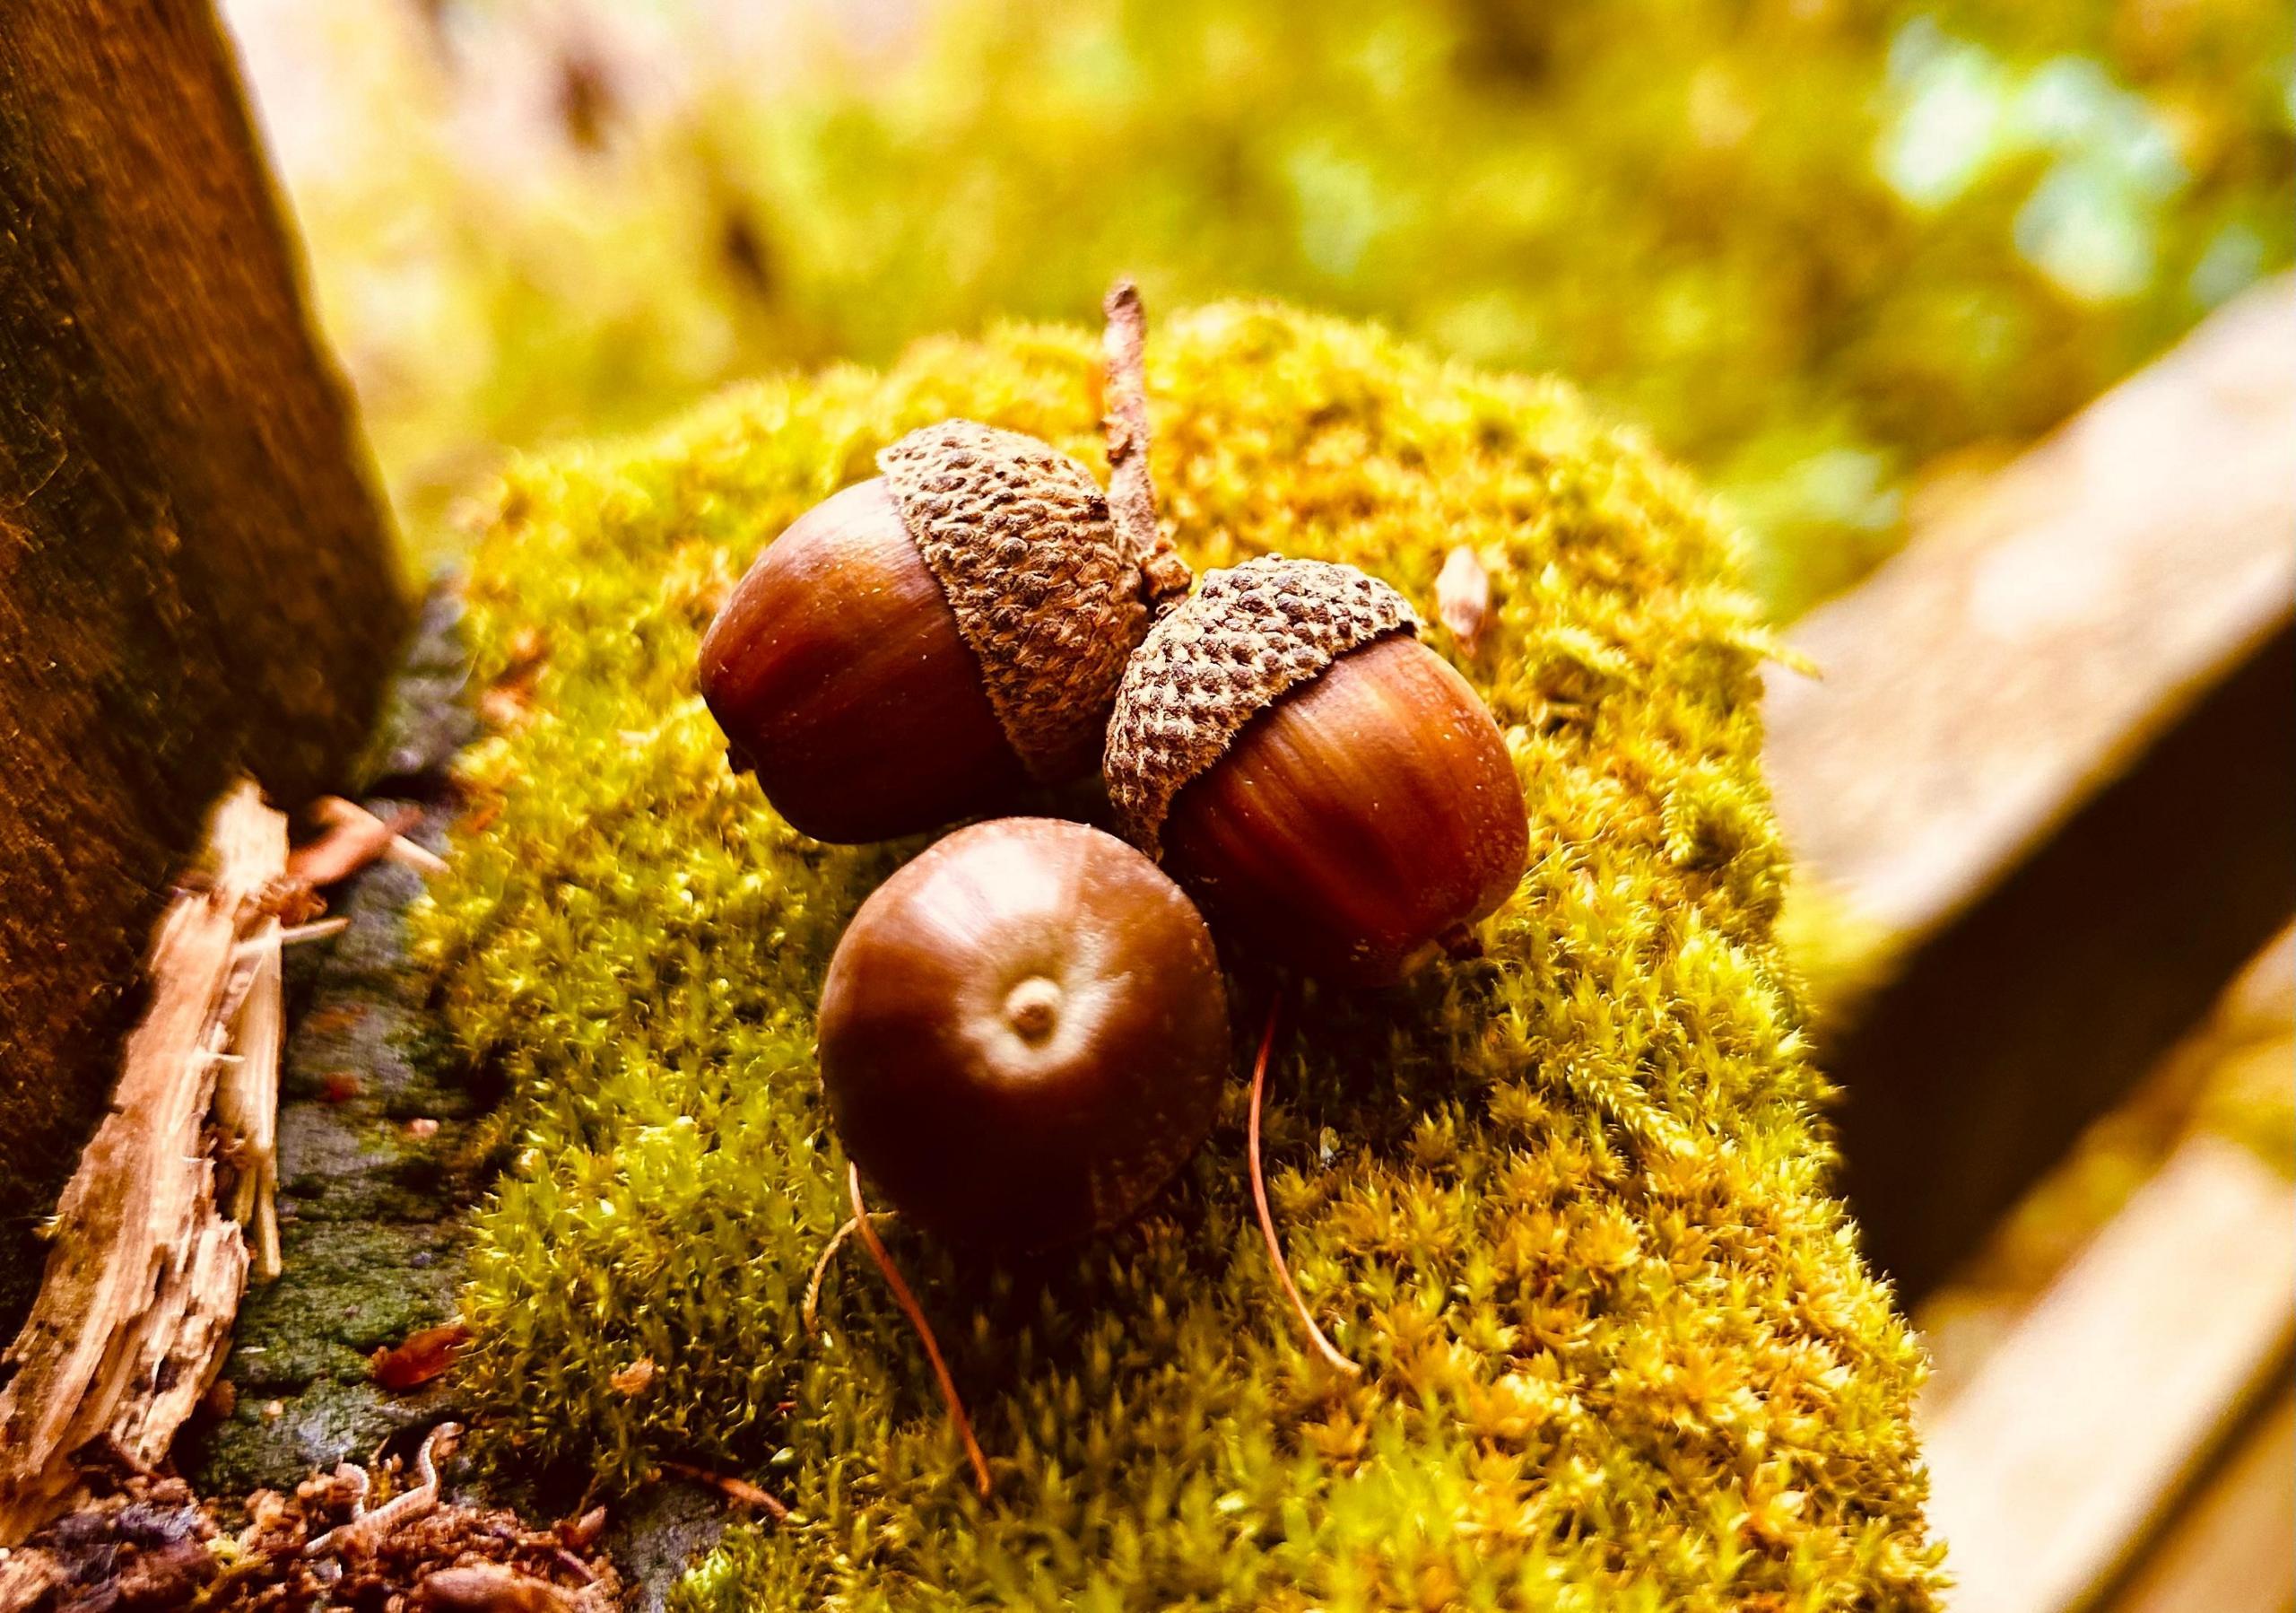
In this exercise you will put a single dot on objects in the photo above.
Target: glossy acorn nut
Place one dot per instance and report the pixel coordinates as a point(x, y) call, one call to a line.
point(1023, 1034)
point(923, 645)
point(1322, 783)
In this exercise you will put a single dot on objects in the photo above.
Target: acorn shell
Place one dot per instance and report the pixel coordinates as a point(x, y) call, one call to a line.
point(1019, 537)
point(1230, 651)
point(996, 1129)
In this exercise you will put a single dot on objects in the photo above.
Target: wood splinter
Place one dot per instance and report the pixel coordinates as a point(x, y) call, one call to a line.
point(320, 929)
point(145, 1267)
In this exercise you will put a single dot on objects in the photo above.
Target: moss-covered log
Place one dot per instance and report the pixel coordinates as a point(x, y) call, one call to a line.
point(194, 578)
point(1568, 1204)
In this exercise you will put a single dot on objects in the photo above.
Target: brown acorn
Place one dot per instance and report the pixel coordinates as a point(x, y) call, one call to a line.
point(1324, 783)
point(923, 645)
point(1023, 1034)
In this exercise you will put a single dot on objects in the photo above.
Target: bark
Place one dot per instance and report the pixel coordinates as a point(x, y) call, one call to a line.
point(194, 575)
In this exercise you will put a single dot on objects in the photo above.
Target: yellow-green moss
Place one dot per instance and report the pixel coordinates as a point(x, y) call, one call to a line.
point(1567, 1204)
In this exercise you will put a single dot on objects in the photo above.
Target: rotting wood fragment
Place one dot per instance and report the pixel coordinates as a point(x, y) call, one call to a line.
point(145, 1267)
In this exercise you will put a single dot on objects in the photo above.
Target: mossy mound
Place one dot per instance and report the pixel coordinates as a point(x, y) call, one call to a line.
point(1567, 1204)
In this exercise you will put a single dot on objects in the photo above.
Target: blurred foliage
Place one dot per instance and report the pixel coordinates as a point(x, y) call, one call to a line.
point(1566, 1204)
point(1819, 247)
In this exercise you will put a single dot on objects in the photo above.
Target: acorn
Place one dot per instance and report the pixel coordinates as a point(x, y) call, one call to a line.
point(1327, 786)
point(1023, 1034)
point(926, 645)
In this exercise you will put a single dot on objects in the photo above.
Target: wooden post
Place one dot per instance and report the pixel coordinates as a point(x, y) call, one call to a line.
point(195, 577)
point(2054, 756)
point(2047, 1471)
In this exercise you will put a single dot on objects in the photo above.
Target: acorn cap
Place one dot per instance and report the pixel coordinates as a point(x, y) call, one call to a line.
point(1019, 538)
point(1228, 653)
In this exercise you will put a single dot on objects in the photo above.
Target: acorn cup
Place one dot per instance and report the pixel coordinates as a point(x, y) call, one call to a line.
point(1023, 1034)
point(1324, 783)
point(926, 645)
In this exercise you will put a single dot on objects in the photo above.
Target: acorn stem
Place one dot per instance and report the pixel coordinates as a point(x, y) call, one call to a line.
point(1323, 1347)
point(811, 1309)
point(916, 1314)
point(1164, 577)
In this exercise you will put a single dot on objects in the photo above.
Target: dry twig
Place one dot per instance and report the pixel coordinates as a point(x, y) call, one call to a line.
point(733, 1489)
point(351, 838)
point(1132, 490)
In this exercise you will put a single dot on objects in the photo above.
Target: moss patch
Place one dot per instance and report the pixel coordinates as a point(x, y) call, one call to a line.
point(372, 1213)
point(1567, 1204)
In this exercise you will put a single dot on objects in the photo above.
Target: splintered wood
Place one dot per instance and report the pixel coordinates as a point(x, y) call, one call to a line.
point(145, 1267)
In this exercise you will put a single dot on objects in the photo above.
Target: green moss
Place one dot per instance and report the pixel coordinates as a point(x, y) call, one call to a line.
point(1567, 1204)
point(303, 1386)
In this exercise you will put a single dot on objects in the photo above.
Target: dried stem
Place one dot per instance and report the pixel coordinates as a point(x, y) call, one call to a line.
point(1132, 490)
point(1323, 1346)
point(733, 1489)
point(365, 1528)
point(812, 1311)
point(247, 1094)
point(319, 930)
point(916, 1314)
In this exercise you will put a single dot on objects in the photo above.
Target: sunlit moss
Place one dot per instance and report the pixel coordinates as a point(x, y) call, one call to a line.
point(1567, 1204)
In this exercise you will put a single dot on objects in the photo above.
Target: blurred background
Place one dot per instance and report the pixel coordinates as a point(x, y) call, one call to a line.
point(1852, 261)
point(1831, 252)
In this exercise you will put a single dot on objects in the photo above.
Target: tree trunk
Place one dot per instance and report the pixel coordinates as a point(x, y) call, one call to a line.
point(195, 577)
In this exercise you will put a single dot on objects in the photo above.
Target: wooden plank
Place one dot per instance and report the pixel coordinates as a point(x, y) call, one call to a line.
point(2025, 647)
point(2230, 1551)
point(2054, 756)
point(2089, 1419)
point(194, 578)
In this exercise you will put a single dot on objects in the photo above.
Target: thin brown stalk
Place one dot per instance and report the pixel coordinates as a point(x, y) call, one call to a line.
point(733, 1489)
point(1323, 1346)
point(812, 1310)
point(916, 1314)
point(1132, 490)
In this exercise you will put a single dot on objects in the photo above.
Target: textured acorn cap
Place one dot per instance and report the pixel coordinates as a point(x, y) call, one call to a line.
point(1225, 655)
point(1019, 537)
